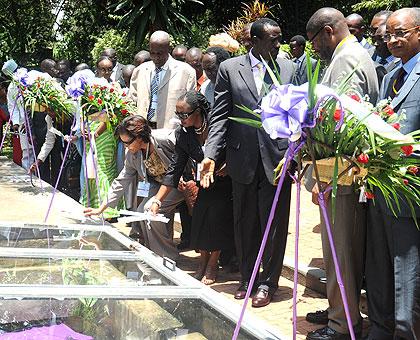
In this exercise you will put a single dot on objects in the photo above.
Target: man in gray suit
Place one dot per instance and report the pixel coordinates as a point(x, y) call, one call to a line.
point(393, 243)
point(331, 39)
point(251, 156)
point(297, 47)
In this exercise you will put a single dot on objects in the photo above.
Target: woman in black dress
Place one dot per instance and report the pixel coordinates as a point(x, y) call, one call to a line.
point(212, 218)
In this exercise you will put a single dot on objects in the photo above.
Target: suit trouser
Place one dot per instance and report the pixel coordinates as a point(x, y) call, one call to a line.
point(251, 208)
point(349, 232)
point(159, 236)
point(393, 275)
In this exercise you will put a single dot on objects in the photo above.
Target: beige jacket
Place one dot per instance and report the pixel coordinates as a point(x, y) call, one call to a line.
point(179, 78)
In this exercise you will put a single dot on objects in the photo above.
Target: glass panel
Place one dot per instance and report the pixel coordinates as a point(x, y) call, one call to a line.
point(103, 319)
point(40, 237)
point(73, 271)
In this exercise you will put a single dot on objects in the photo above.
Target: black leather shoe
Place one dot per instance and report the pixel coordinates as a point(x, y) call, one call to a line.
point(241, 291)
point(320, 317)
point(327, 333)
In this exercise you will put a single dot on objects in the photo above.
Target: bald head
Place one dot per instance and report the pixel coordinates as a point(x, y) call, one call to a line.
point(193, 58)
point(141, 57)
point(326, 29)
point(111, 54)
point(160, 37)
point(127, 72)
point(356, 25)
point(325, 16)
point(179, 52)
point(48, 66)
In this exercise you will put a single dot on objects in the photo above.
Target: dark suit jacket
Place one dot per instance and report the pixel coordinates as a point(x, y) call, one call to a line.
point(244, 145)
point(302, 70)
point(407, 99)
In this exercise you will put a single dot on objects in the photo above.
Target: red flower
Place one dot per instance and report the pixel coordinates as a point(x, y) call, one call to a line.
point(413, 169)
point(337, 115)
point(369, 195)
point(103, 88)
point(405, 181)
point(123, 94)
point(396, 126)
point(124, 111)
point(363, 158)
point(99, 101)
point(388, 110)
point(91, 97)
point(355, 97)
point(407, 149)
point(111, 89)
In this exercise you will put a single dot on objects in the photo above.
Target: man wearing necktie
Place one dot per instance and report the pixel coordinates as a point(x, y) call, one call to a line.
point(393, 243)
point(251, 156)
point(297, 48)
point(156, 85)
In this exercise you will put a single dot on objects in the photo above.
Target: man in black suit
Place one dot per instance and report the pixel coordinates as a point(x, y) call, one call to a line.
point(297, 48)
point(251, 156)
point(393, 243)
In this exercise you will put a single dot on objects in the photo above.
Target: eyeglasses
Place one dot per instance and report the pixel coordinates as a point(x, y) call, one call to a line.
point(319, 31)
point(398, 34)
point(105, 70)
point(184, 115)
point(128, 143)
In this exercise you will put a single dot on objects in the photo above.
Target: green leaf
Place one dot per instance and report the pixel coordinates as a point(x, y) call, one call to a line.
point(247, 121)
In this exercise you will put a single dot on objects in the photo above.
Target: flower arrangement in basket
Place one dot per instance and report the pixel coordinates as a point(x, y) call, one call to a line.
point(107, 101)
point(42, 93)
point(346, 139)
point(100, 101)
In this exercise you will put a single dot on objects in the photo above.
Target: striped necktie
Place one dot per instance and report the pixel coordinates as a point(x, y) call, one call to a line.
point(398, 82)
point(153, 93)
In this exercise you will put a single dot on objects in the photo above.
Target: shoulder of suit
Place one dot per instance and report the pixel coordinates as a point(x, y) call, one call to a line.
point(234, 61)
point(181, 65)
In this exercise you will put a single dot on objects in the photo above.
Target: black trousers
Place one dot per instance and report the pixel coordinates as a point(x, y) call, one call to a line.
point(251, 208)
point(393, 275)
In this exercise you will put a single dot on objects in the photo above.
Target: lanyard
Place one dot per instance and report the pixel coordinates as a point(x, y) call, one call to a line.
point(143, 166)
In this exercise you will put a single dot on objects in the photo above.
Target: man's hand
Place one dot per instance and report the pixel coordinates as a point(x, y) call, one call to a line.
point(207, 172)
point(34, 166)
point(315, 193)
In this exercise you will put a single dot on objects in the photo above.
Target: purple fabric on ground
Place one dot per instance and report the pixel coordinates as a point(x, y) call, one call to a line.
point(54, 332)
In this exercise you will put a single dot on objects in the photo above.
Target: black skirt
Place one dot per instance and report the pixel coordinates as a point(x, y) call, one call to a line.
point(212, 218)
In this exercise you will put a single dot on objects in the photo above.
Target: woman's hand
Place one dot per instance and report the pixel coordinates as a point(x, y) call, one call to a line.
point(154, 209)
point(152, 205)
point(93, 211)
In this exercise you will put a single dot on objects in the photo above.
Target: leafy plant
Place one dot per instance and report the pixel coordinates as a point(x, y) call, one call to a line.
point(147, 16)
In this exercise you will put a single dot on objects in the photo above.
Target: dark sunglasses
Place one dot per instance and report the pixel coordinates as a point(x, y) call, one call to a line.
point(184, 115)
point(315, 35)
point(128, 143)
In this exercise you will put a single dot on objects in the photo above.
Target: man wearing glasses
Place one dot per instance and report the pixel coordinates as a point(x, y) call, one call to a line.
point(392, 255)
point(331, 39)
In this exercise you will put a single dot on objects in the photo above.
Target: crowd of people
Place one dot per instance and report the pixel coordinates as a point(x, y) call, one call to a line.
point(183, 153)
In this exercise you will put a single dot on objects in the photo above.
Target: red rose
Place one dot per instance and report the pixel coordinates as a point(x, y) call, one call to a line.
point(369, 195)
point(124, 111)
point(363, 158)
point(388, 110)
point(123, 94)
point(396, 126)
point(407, 149)
point(405, 181)
point(91, 97)
point(355, 97)
point(111, 89)
point(413, 169)
point(99, 101)
point(103, 88)
point(337, 115)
